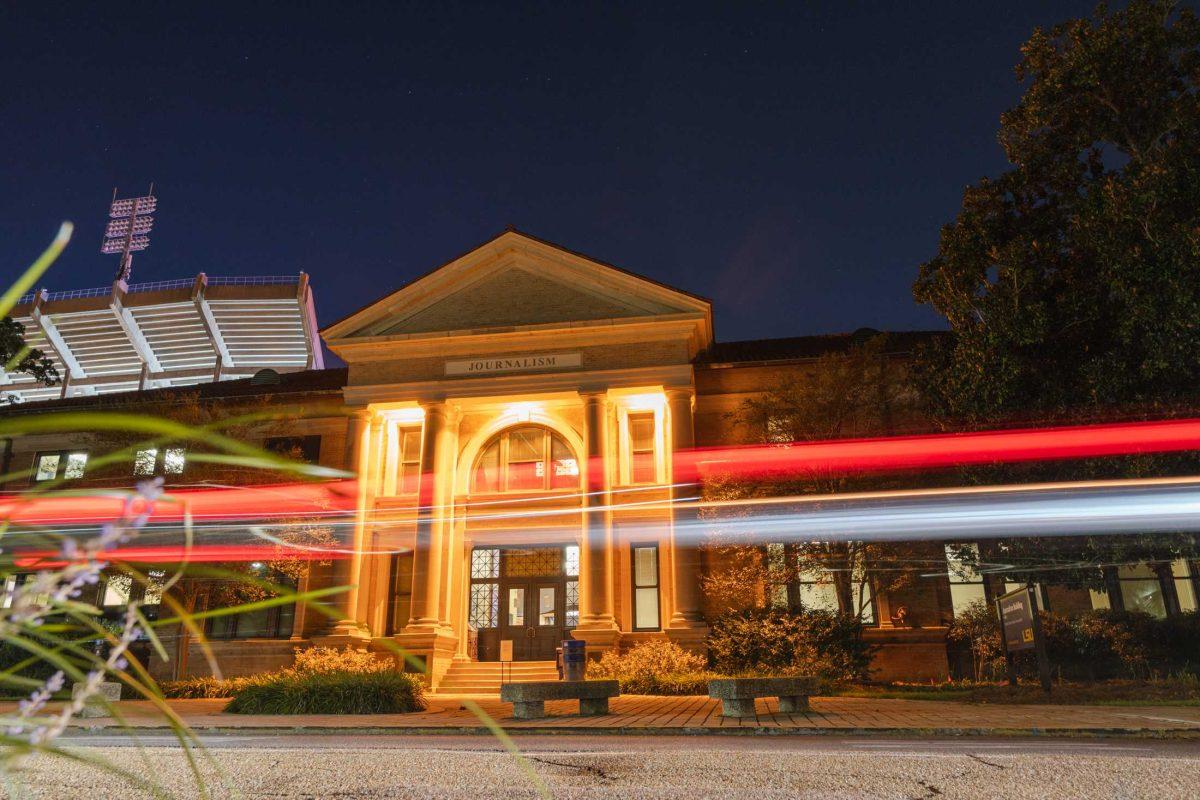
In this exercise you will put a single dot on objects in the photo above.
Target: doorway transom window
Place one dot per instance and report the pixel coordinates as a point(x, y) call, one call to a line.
point(525, 459)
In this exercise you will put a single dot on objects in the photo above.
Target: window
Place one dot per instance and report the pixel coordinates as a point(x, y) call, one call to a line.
point(1141, 590)
point(516, 461)
point(645, 587)
point(297, 448)
point(642, 466)
point(408, 458)
point(66, 465)
point(484, 611)
point(146, 462)
point(801, 586)
point(263, 623)
point(966, 584)
point(571, 569)
point(400, 608)
point(1185, 585)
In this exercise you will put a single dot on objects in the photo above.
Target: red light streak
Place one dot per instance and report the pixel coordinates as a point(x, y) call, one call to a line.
point(173, 554)
point(845, 456)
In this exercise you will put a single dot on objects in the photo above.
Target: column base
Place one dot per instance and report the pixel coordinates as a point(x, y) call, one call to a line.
point(428, 651)
point(601, 635)
point(690, 635)
point(346, 633)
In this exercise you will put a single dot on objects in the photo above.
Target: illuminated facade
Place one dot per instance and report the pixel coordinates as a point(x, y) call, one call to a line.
point(543, 394)
point(523, 422)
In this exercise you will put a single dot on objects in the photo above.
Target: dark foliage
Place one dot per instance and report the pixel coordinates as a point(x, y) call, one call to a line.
point(790, 642)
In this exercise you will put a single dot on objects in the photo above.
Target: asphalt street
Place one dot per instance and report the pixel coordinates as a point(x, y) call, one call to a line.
point(289, 765)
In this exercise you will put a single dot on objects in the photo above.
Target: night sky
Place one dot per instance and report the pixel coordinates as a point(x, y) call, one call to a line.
point(792, 162)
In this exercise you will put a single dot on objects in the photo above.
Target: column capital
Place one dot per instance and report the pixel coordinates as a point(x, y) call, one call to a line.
point(676, 393)
point(594, 393)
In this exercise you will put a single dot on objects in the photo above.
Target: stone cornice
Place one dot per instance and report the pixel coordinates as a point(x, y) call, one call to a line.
point(518, 385)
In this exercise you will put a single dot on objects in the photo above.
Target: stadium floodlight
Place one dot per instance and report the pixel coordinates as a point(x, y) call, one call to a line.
point(128, 229)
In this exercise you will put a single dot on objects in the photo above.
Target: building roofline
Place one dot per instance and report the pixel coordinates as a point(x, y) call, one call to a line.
point(512, 229)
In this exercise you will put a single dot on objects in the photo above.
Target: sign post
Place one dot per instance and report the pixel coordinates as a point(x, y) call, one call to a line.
point(1020, 629)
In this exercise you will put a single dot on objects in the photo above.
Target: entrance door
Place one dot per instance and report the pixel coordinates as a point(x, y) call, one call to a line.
point(532, 617)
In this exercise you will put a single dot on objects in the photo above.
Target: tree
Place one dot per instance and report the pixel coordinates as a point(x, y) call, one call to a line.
point(16, 356)
point(863, 391)
point(1073, 279)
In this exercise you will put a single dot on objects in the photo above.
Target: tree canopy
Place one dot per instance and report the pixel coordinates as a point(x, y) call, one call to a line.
point(1072, 280)
point(16, 356)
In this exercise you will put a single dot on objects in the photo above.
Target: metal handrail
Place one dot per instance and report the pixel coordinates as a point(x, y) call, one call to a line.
point(254, 280)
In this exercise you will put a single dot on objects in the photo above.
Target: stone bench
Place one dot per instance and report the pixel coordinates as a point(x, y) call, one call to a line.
point(529, 699)
point(737, 695)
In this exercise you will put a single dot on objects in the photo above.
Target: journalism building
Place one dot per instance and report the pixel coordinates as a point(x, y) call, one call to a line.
point(512, 416)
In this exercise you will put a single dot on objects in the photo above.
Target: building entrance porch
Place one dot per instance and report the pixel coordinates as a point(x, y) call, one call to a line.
point(528, 595)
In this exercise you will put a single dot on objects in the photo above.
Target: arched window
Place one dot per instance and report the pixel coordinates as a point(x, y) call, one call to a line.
point(516, 460)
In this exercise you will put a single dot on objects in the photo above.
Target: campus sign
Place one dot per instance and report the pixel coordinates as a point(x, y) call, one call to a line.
point(1016, 615)
point(493, 364)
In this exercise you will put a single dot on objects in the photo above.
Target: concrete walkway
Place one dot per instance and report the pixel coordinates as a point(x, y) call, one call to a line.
point(675, 715)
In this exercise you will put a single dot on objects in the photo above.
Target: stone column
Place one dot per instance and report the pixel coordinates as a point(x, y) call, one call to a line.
point(687, 622)
point(348, 572)
point(597, 625)
point(427, 556)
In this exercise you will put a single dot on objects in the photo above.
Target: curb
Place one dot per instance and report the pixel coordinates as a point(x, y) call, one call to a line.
point(1062, 733)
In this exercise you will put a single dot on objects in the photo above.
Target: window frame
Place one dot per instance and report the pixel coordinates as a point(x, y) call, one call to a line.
point(60, 469)
point(502, 439)
point(634, 585)
point(159, 465)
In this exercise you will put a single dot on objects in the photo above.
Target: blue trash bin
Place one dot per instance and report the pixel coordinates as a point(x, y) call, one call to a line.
point(574, 659)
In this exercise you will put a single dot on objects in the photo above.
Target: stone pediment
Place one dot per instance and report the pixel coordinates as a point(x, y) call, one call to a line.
point(513, 281)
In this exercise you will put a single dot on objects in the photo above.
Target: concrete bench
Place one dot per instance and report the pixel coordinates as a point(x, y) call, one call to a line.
point(737, 695)
point(529, 699)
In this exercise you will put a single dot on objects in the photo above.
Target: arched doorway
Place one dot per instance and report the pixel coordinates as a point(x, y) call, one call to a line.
point(528, 593)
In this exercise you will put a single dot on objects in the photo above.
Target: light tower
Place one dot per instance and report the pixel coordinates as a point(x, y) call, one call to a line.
point(128, 229)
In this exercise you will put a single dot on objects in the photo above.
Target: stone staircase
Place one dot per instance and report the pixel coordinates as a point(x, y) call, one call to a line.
point(483, 677)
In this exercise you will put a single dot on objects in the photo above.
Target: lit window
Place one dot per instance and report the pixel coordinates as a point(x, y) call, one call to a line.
point(572, 604)
point(516, 460)
point(144, 461)
point(47, 467)
point(156, 578)
point(173, 461)
point(645, 587)
point(1141, 590)
point(1185, 585)
point(67, 465)
point(642, 468)
point(10, 589)
point(571, 566)
point(408, 478)
point(966, 584)
point(76, 462)
point(484, 610)
point(485, 605)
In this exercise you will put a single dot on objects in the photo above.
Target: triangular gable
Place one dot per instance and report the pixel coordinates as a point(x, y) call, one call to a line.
point(514, 280)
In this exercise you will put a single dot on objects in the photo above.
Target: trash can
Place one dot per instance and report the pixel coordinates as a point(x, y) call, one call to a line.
point(574, 659)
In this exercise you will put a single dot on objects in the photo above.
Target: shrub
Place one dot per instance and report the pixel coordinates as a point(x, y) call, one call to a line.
point(292, 692)
point(976, 629)
point(655, 667)
point(670, 684)
point(206, 688)
point(36, 668)
point(814, 642)
point(324, 660)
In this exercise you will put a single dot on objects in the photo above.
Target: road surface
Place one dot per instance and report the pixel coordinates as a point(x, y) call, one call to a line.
point(282, 766)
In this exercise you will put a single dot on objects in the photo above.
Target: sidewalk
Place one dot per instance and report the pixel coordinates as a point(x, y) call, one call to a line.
point(680, 715)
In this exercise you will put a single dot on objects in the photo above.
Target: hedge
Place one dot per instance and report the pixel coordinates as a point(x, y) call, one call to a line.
point(390, 692)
